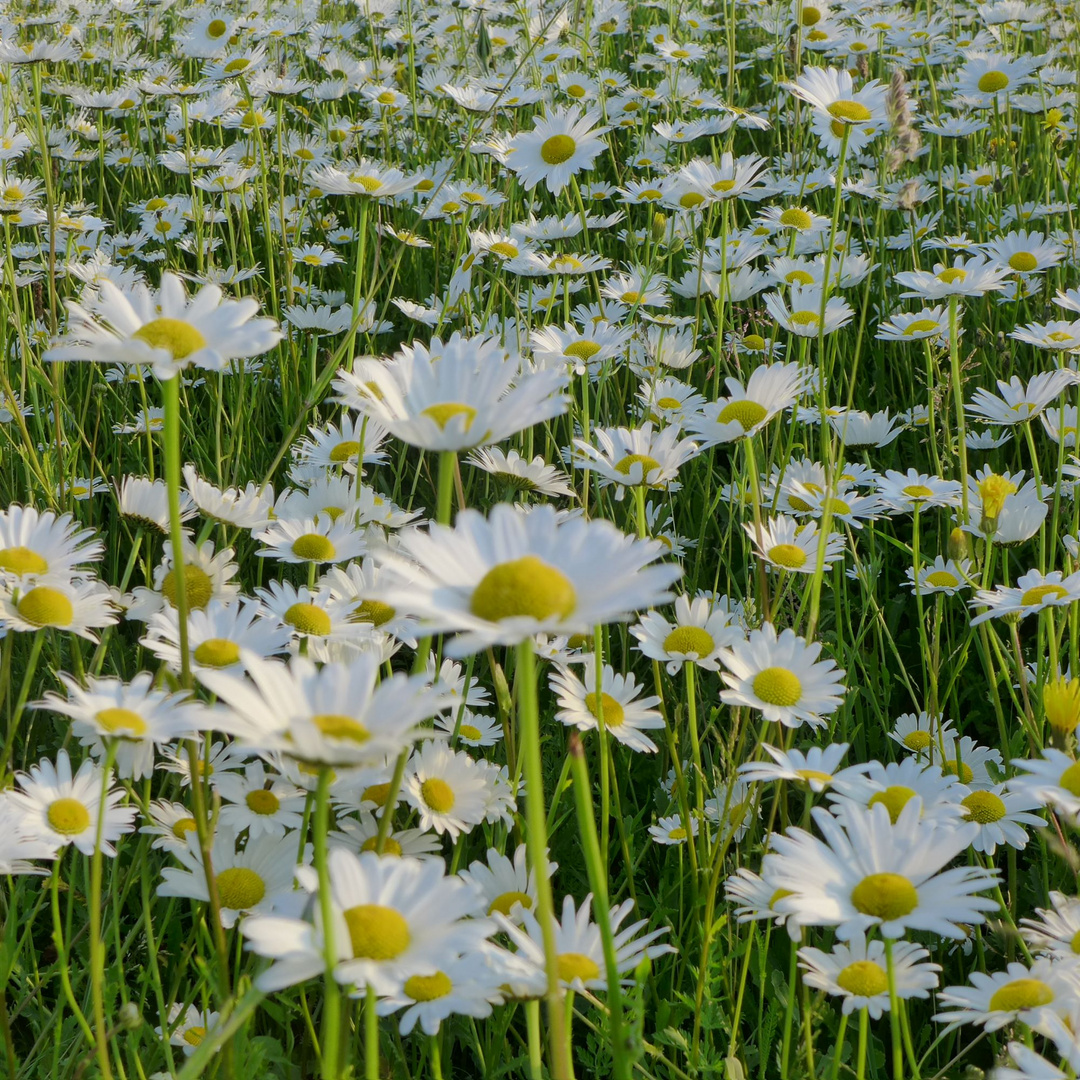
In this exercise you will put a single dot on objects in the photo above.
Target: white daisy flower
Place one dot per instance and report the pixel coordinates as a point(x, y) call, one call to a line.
point(446, 789)
point(508, 887)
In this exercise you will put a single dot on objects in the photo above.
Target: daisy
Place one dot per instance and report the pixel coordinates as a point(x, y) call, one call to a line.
point(58, 808)
point(869, 871)
point(631, 457)
point(1004, 508)
point(503, 579)
point(971, 277)
point(805, 314)
point(247, 508)
point(446, 789)
point(697, 636)
point(474, 729)
point(365, 179)
point(208, 576)
point(1000, 815)
point(626, 715)
point(782, 677)
point(585, 349)
point(217, 635)
point(638, 287)
point(967, 760)
point(1052, 780)
point(354, 585)
point(832, 93)
point(250, 881)
point(468, 985)
point(393, 918)
point(76, 606)
point(1032, 593)
point(786, 545)
point(904, 492)
point(922, 733)
point(41, 547)
point(164, 330)
point(188, 1026)
point(578, 946)
point(456, 395)
point(310, 613)
point(1056, 931)
point(261, 804)
point(817, 767)
point(134, 715)
point(857, 428)
point(895, 784)
point(562, 143)
point(312, 540)
point(170, 824)
point(520, 474)
point(672, 830)
point(334, 715)
point(146, 501)
point(926, 323)
point(1025, 252)
point(1018, 993)
point(770, 390)
point(362, 834)
point(987, 78)
point(507, 886)
point(1018, 403)
point(856, 971)
point(347, 445)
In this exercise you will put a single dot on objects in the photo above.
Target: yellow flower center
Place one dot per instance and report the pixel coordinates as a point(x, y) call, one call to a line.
point(215, 28)
point(377, 932)
point(338, 726)
point(960, 769)
point(582, 350)
point(811, 16)
point(689, 641)
point(799, 277)
point(428, 987)
point(442, 414)
point(894, 799)
point(814, 774)
point(691, 199)
point(194, 1035)
point(557, 149)
point(918, 491)
point(121, 722)
point(993, 81)
point(574, 965)
point(372, 611)
point(46, 607)
point(917, 740)
point(438, 795)
point(313, 547)
point(789, 555)
point(262, 802)
point(390, 846)
point(983, 807)
point(863, 978)
point(849, 112)
point(1023, 261)
point(1021, 994)
point(198, 587)
point(176, 337)
point(794, 218)
point(746, 413)
point(678, 833)
point(630, 297)
point(21, 560)
point(68, 817)
point(240, 887)
point(952, 274)
point(505, 901)
point(376, 793)
point(1070, 779)
point(523, 588)
point(183, 826)
point(777, 686)
point(344, 450)
point(885, 896)
point(648, 464)
point(1038, 593)
point(920, 326)
point(216, 653)
point(308, 619)
point(468, 731)
point(505, 249)
point(805, 318)
point(239, 64)
point(1061, 704)
point(754, 342)
point(614, 714)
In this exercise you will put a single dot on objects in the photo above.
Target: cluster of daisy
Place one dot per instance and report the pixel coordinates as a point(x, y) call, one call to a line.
point(418, 419)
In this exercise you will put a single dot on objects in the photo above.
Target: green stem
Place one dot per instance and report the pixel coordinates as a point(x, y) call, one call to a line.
point(171, 401)
point(97, 946)
point(331, 1019)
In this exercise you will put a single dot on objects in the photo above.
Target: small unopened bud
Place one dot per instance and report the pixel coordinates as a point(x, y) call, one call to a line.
point(502, 691)
point(994, 490)
point(959, 546)
point(1061, 704)
point(659, 225)
point(129, 1017)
